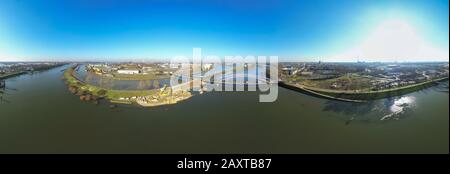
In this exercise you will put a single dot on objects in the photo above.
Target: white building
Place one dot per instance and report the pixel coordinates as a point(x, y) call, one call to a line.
point(128, 71)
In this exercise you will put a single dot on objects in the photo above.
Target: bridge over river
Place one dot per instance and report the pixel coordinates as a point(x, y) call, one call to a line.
point(229, 75)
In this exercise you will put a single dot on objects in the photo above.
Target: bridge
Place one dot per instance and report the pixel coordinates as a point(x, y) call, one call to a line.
point(2, 83)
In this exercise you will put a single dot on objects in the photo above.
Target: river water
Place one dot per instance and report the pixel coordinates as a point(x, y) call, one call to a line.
point(39, 115)
point(109, 83)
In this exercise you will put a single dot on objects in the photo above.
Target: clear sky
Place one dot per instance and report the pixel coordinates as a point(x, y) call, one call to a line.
point(308, 30)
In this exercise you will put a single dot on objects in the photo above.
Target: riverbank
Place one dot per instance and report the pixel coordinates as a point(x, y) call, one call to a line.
point(304, 90)
point(352, 96)
point(9, 75)
point(13, 74)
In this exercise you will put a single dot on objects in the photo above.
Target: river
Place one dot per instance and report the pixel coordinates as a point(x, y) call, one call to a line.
point(39, 115)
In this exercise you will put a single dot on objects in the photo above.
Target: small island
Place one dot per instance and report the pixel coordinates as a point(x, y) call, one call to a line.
point(148, 98)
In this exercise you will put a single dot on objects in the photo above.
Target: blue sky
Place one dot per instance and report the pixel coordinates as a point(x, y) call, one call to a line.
point(308, 30)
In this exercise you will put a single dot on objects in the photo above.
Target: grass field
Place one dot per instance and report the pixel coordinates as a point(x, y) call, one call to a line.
point(7, 75)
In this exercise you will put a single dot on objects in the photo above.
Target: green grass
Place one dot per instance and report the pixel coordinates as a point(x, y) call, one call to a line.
point(7, 75)
point(349, 83)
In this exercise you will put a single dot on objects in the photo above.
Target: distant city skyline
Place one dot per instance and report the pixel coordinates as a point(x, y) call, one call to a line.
point(325, 30)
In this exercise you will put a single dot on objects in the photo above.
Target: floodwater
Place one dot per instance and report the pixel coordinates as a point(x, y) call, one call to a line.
point(39, 115)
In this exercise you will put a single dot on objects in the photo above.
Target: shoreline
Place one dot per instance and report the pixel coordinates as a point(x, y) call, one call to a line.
point(73, 81)
point(361, 97)
point(4, 77)
point(314, 93)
